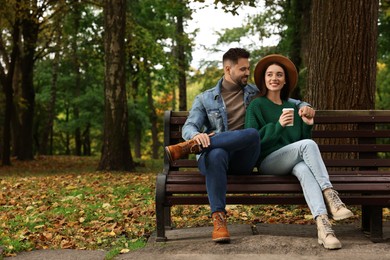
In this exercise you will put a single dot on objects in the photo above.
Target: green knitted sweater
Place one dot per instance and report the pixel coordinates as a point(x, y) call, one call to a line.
point(263, 115)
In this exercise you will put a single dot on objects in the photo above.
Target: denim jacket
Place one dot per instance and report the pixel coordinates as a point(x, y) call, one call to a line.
point(208, 113)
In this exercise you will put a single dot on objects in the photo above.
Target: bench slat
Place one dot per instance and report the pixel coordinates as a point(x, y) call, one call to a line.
point(357, 162)
point(278, 188)
point(347, 134)
point(354, 147)
point(263, 179)
point(271, 200)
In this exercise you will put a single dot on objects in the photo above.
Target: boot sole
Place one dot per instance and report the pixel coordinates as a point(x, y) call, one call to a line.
point(341, 217)
point(329, 247)
point(222, 240)
point(168, 154)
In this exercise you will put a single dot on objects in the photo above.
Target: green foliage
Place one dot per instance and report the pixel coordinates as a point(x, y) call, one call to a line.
point(384, 31)
point(89, 99)
point(383, 87)
point(207, 79)
point(151, 60)
point(232, 5)
point(383, 72)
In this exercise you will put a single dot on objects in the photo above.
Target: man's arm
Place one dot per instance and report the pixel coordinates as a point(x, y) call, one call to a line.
point(195, 120)
point(299, 103)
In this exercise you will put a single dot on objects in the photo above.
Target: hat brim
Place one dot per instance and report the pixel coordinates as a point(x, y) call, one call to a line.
point(264, 63)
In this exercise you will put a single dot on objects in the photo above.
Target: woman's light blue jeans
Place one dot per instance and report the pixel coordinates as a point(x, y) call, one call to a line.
point(230, 152)
point(302, 159)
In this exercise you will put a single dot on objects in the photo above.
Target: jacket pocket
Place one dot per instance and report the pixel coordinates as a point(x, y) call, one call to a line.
point(216, 121)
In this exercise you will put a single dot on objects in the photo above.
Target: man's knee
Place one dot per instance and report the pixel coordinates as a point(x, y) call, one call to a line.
point(217, 154)
point(252, 133)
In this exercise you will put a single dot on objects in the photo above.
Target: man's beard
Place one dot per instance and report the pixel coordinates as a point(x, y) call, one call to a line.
point(242, 82)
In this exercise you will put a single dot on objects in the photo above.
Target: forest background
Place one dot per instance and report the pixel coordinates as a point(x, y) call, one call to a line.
point(54, 71)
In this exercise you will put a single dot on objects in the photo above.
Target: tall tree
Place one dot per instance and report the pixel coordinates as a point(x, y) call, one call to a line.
point(116, 148)
point(153, 68)
point(29, 28)
point(7, 73)
point(181, 13)
point(77, 71)
point(294, 31)
point(342, 59)
point(45, 145)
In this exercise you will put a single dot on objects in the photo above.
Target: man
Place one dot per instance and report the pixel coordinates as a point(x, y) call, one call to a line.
point(215, 130)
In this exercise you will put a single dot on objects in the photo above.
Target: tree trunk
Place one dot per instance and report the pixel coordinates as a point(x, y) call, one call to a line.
point(30, 29)
point(116, 155)
point(153, 120)
point(298, 22)
point(47, 131)
point(6, 148)
point(76, 67)
point(67, 135)
point(181, 64)
point(6, 77)
point(137, 141)
point(135, 118)
point(87, 141)
point(342, 60)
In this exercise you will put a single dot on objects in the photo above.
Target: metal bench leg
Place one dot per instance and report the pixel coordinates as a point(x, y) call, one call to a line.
point(167, 219)
point(366, 219)
point(376, 231)
point(160, 209)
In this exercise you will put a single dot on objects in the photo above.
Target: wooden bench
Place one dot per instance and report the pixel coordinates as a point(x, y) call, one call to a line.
point(356, 149)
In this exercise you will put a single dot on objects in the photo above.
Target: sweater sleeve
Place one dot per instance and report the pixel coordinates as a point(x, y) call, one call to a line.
point(270, 133)
point(306, 131)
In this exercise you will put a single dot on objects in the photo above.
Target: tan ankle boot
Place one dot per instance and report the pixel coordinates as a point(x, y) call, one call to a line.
point(180, 150)
point(220, 232)
point(336, 208)
point(326, 236)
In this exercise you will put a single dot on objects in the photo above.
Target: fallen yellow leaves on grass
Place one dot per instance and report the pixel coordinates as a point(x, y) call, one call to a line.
point(47, 208)
point(62, 202)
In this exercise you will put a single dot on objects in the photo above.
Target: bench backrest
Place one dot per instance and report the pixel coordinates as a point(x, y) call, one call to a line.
point(357, 140)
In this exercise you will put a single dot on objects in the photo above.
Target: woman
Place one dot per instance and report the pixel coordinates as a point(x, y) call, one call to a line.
point(287, 149)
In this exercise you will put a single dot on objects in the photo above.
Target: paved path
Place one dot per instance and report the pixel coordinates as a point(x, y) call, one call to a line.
point(265, 241)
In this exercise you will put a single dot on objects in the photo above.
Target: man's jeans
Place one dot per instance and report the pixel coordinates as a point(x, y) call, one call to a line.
point(229, 152)
point(302, 159)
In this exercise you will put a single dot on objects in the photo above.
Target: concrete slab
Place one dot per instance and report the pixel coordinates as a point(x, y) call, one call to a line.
point(262, 242)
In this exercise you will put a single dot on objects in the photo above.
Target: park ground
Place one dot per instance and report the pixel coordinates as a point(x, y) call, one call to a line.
point(62, 202)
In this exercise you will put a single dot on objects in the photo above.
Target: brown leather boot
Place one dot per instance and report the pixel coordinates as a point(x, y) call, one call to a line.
point(220, 232)
point(180, 150)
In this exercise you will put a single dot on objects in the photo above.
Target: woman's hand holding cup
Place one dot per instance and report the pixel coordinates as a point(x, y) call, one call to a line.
point(287, 117)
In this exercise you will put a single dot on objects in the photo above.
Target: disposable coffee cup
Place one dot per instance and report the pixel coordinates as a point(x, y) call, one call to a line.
point(289, 110)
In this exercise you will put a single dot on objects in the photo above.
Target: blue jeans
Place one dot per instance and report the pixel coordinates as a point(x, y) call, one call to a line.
point(302, 159)
point(229, 152)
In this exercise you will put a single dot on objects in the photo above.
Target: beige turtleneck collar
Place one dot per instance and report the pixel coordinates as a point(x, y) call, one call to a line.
point(233, 96)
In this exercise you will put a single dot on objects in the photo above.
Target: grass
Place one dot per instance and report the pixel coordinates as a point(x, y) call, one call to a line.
point(62, 202)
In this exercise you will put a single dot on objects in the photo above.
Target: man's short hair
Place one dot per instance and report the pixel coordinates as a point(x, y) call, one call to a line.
point(233, 54)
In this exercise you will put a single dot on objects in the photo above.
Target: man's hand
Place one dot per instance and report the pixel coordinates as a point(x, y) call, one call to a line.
point(307, 114)
point(203, 139)
point(306, 111)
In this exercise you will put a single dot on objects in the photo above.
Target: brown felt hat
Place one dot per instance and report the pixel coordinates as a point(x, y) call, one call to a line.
point(264, 63)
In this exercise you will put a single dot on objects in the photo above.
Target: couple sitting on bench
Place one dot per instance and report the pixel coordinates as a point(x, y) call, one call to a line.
point(228, 124)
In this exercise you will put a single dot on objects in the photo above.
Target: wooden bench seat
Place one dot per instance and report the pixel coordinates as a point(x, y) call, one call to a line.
point(356, 149)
